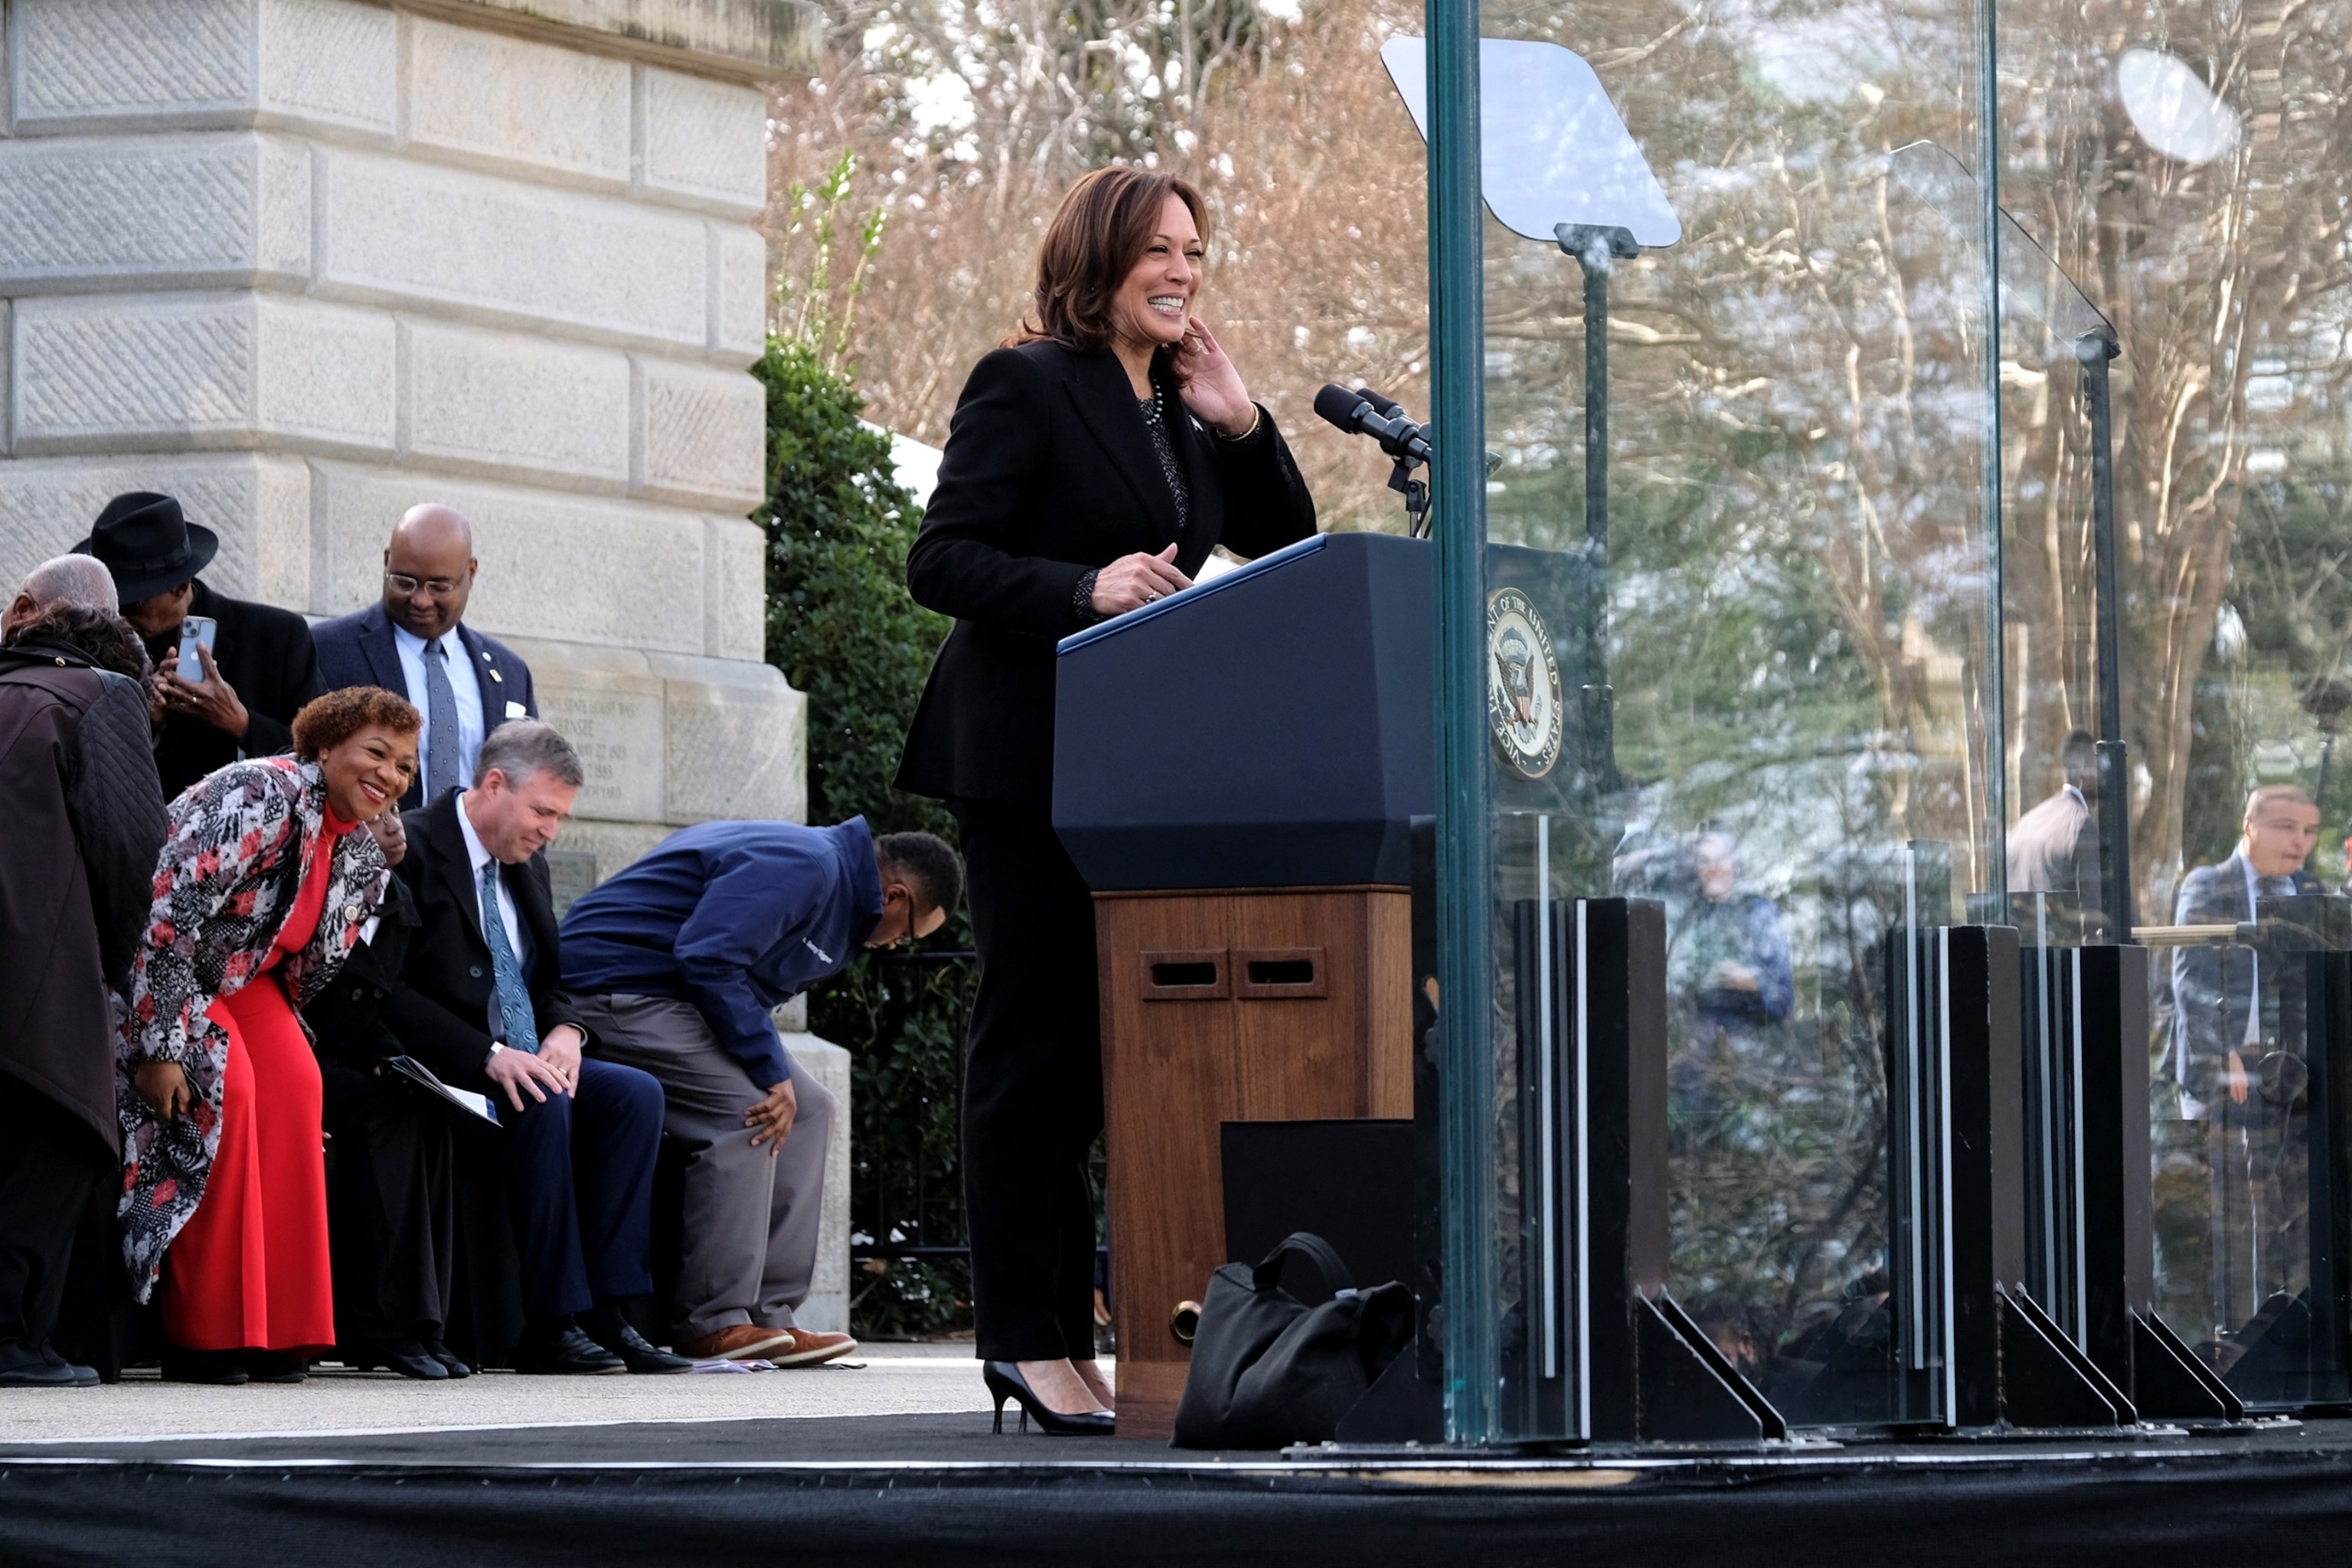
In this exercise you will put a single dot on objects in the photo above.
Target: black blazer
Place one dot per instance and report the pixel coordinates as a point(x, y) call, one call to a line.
point(440, 1012)
point(1050, 473)
point(357, 649)
point(265, 656)
point(347, 1028)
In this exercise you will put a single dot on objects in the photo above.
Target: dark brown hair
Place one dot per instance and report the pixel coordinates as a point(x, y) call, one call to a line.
point(1098, 235)
point(326, 722)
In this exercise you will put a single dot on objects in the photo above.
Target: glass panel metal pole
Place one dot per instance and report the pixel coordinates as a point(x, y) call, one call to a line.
point(1464, 873)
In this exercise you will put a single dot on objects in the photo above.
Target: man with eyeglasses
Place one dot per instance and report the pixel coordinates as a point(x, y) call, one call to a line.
point(415, 641)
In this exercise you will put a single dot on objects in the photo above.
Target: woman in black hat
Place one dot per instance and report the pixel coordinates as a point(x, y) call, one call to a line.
point(261, 668)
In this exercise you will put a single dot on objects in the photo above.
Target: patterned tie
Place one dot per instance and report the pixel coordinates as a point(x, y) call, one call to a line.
point(441, 718)
point(514, 996)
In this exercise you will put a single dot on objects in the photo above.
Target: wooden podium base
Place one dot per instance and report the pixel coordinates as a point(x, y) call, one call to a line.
point(1260, 1004)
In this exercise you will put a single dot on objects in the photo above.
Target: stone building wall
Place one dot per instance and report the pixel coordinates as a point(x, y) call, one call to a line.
point(306, 263)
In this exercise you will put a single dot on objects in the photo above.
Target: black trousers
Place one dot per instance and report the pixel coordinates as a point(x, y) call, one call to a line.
point(390, 1207)
point(1033, 1088)
point(50, 1163)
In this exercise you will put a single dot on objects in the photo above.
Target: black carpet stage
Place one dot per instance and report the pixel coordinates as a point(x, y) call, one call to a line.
point(940, 1489)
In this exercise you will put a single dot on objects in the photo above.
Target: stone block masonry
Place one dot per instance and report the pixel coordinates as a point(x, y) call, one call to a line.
point(307, 263)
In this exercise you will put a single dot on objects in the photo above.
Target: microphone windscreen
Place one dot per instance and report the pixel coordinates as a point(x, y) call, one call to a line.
point(1387, 406)
point(1337, 404)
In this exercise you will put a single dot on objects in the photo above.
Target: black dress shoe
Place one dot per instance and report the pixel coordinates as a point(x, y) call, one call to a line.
point(408, 1357)
point(644, 1358)
point(451, 1363)
point(43, 1374)
point(83, 1376)
point(566, 1350)
point(274, 1366)
point(224, 1368)
point(609, 1329)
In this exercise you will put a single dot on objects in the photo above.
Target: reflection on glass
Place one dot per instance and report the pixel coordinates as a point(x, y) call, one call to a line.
point(1783, 718)
point(2187, 160)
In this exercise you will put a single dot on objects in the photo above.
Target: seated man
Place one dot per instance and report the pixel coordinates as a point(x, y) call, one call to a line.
point(677, 962)
point(480, 1003)
point(389, 1157)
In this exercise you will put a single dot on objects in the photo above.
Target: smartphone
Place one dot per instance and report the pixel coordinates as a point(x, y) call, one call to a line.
point(196, 632)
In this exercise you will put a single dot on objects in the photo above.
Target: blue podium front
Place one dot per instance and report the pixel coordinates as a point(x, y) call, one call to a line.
point(1270, 729)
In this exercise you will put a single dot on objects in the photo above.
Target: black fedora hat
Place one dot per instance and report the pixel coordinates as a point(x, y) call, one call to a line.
point(148, 545)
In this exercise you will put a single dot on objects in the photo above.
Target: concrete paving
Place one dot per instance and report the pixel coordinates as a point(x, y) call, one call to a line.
point(878, 1380)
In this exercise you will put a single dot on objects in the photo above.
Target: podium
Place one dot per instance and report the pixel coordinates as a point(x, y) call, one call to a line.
point(1235, 771)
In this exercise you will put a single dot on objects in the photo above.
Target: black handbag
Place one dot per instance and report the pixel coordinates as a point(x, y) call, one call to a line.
point(1269, 1371)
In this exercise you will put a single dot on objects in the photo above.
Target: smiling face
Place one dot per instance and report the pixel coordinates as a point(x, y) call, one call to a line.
point(517, 818)
point(1154, 306)
point(368, 771)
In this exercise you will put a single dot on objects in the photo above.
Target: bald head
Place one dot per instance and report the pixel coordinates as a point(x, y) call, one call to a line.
point(429, 569)
point(82, 580)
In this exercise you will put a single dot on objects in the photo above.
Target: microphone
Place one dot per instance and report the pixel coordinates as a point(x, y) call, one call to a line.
point(1356, 413)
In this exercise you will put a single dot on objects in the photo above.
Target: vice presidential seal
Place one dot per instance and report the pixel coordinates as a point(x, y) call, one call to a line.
point(1523, 703)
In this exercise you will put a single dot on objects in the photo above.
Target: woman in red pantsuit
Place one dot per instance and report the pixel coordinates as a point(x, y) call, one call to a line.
point(262, 890)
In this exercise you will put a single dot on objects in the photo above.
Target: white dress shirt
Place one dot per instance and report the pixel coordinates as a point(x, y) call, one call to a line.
point(478, 858)
point(465, 685)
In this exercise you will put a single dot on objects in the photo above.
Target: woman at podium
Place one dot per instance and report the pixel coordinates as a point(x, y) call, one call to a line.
point(1093, 463)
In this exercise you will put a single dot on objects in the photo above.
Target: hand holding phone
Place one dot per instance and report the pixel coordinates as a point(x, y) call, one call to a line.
point(192, 686)
point(196, 632)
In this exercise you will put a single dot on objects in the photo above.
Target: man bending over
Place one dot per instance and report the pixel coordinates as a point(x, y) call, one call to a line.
point(676, 964)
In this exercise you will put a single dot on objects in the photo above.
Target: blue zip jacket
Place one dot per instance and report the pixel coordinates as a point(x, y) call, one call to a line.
point(734, 917)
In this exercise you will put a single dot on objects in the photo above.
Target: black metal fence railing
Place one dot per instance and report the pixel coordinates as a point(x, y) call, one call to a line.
point(904, 1014)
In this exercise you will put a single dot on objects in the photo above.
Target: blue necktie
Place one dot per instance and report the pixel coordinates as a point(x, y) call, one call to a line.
point(514, 996)
point(441, 720)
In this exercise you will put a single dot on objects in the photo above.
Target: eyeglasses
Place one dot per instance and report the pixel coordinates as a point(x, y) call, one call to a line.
point(439, 588)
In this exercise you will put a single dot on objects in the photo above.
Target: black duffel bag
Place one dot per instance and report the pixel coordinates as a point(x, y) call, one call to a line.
point(1269, 1371)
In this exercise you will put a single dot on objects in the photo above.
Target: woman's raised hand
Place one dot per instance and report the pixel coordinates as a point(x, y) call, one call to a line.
point(1134, 581)
point(165, 1088)
point(1213, 388)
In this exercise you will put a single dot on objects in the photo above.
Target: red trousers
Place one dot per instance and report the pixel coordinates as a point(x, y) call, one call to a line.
point(250, 1270)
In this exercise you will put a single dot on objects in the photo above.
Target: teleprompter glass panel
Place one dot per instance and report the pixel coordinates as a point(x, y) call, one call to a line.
point(2189, 162)
point(1740, 647)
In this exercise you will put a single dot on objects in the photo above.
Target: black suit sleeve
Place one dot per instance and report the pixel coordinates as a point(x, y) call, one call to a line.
point(116, 804)
point(1268, 504)
point(550, 1005)
point(346, 1018)
point(267, 734)
point(966, 562)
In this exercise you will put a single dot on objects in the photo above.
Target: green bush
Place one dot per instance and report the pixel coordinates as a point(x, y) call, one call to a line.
point(843, 630)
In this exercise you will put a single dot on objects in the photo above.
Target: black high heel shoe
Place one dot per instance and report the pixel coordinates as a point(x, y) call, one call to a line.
point(1005, 1381)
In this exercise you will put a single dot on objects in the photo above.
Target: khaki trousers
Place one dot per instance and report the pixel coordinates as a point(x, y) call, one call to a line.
point(750, 1231)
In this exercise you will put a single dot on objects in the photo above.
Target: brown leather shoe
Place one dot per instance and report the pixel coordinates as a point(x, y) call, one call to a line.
point(809, 1347)
point(744, 1341)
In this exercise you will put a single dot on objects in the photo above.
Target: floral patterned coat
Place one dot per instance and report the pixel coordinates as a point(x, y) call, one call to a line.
point(223, 885)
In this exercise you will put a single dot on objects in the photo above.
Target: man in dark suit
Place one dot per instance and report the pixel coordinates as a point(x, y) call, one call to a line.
point(415, 641)
point(480, 1003)
point(262, 668)
point(2238, 1055)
